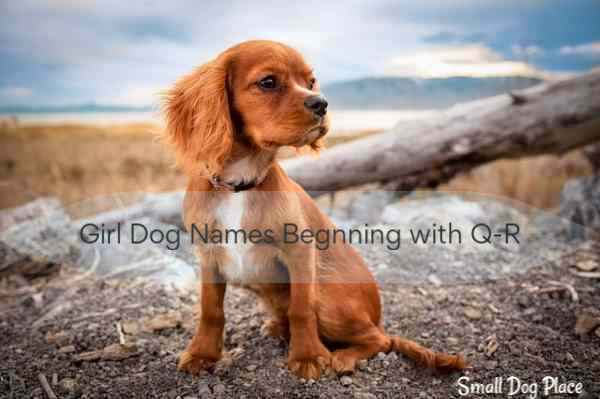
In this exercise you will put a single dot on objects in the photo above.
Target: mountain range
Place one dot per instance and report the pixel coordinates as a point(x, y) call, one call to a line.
point(366, 93)
point(77, 108)
point(409, 93)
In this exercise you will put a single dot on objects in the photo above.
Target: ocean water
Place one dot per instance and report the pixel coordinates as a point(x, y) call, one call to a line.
point(341, 120)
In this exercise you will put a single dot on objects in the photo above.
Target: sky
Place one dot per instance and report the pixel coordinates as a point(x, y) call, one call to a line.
point(60, 52)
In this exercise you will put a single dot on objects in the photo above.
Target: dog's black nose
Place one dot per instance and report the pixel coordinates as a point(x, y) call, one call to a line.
point(317, 104)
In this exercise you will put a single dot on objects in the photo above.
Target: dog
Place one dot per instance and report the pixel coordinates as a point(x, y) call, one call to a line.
point(226, 120)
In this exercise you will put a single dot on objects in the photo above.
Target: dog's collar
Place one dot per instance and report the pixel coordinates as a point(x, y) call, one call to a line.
point(219, 184)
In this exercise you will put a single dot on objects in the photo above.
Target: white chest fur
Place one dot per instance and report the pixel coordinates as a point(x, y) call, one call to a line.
point(236, 267)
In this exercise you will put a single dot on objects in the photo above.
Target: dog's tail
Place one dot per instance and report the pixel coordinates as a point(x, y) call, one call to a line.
point(426, 357)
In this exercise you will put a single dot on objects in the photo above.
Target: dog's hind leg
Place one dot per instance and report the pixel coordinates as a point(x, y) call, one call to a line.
point(364, 346)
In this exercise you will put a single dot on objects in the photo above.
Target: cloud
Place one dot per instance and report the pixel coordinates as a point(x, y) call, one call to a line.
point(587, 49)
point(16, 92)
point(448, 37)
point(71, 51)
point(526, 51)
point(475, 60)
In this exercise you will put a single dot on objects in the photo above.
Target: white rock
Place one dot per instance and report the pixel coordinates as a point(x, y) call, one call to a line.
point(346, 381)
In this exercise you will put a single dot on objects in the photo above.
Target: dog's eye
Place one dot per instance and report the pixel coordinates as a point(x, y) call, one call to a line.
point(311, 83)
point(267, 83)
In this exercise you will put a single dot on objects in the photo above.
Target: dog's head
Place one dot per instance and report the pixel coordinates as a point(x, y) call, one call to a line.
point(261, 93)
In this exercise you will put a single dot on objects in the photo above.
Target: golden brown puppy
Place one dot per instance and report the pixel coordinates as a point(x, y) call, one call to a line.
point(227, 120)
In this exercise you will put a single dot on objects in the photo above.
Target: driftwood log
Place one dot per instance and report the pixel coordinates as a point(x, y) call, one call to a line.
point(551, 118)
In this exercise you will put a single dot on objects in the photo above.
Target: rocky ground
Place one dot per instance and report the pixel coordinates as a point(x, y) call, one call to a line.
point(95, 321)
point(91, 338)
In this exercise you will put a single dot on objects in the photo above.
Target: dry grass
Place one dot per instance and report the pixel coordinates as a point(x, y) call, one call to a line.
point(76, 162)
point(536, 181)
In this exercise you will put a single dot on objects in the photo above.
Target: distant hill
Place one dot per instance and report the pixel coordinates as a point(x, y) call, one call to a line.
point(366, 93)
point(409, 93)
point(92, 107)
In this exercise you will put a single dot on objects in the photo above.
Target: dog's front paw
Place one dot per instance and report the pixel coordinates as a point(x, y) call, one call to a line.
point(194, 364)
point(343, 362)
point(311, 368)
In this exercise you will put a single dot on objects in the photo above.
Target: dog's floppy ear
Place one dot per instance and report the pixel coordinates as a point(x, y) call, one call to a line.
point(198, 119)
